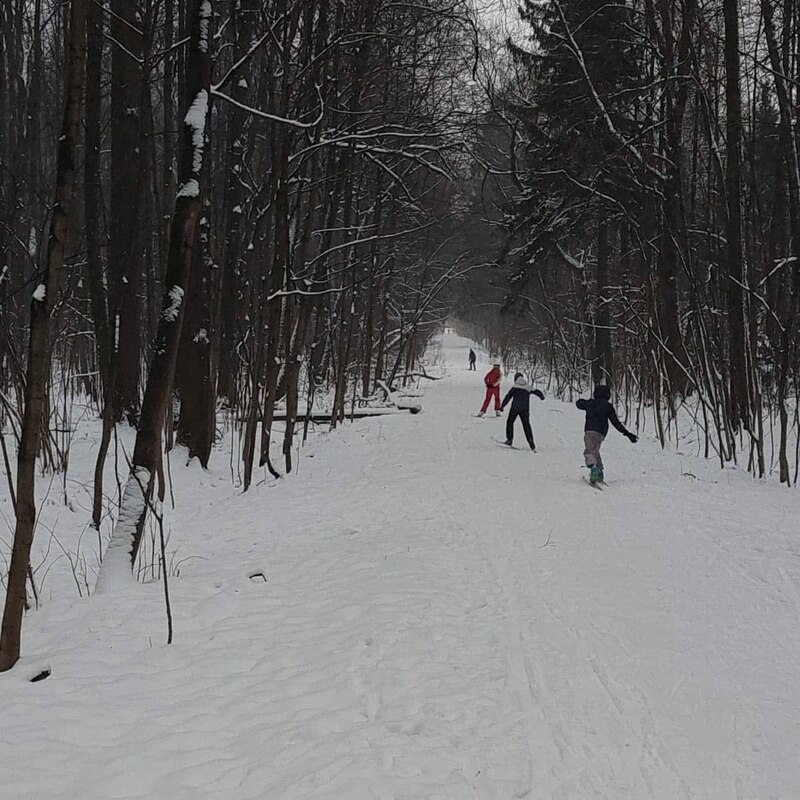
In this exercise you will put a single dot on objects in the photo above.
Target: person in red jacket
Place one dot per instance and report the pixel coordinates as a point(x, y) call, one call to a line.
point(492, 381)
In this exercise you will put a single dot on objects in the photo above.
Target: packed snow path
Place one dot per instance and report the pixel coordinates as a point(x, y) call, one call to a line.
point(437, 618)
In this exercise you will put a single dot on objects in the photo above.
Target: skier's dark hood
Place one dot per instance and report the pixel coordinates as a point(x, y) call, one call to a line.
point(602, 392)
point(599, 412)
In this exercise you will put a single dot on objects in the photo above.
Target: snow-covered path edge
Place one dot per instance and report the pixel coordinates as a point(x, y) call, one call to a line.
point(438, 617)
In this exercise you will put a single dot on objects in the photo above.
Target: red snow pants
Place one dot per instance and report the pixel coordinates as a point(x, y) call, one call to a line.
point(491, 391)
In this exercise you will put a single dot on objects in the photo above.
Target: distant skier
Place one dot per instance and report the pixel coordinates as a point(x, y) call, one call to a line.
point(472, 359)
point(519, 395)
point(492, 382)
point(599, 412)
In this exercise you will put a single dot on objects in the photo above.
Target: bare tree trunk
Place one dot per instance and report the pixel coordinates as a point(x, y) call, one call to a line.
point(126, 194)
point(282, 246)
point(168, 168)
point(193, 379)
point(792, 162)
point(34, 104)
point(739, 395)
point(602, 366)
point(94, 260)
point(297, 342)
point(44, 301)
point(231, 250)
point(146, 461)
point(673, 224)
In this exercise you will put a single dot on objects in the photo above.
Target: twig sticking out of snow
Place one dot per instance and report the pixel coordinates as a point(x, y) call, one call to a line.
point(548, 542)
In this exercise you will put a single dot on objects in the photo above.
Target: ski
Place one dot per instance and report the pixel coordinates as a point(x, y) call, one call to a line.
point(511, 446)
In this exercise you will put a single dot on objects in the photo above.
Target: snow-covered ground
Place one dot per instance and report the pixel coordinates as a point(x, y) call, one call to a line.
point(435, 617)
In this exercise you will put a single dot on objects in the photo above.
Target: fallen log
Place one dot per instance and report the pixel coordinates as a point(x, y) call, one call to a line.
point(361, 413)
point(422, 374)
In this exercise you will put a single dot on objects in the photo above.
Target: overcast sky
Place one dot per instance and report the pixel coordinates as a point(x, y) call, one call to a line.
point(500, 16)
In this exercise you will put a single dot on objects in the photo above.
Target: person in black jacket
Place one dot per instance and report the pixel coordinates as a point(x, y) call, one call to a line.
point(519, 395)
point(472, 359)
point(599, 412)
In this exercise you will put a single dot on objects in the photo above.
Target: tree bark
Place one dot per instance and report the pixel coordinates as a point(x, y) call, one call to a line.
point(673, 224)
point(602, 364)
point(94, 259)
point(126, 194)
point(145, 464)
point(193, 380)
point(39, 348)
point(233, 210)
point(792, 161)
point(739, 395)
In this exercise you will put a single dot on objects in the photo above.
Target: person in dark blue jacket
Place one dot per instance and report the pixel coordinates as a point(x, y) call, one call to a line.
point(599, 412)
point(519, 395)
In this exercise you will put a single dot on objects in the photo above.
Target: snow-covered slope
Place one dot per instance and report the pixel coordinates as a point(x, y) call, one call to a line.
point(436, 617)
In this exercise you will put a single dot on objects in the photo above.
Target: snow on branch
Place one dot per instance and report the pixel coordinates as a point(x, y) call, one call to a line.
point(256, 112)
point(570, 260)
point(124, 49)
point(577, 54)
point(242, 61)
point(423, 374)
point(366, 239)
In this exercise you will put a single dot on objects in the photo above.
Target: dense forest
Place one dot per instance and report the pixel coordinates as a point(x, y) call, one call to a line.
point(638, 168)
point(216, 217)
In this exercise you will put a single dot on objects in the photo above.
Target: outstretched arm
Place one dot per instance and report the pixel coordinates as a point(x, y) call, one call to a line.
point(506, 399)
point(614, 420)
point(582, 404)
point(538, 392)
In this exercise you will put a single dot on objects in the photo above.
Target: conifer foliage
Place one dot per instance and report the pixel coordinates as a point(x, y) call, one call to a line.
point(644, 202)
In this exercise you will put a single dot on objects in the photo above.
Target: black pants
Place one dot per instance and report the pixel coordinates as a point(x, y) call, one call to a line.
point(525, 416)
point(472, 365)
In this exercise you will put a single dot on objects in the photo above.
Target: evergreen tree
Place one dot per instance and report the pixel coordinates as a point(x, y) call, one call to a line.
point(580, 75)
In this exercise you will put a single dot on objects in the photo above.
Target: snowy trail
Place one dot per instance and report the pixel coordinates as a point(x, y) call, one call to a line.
point(441, 618)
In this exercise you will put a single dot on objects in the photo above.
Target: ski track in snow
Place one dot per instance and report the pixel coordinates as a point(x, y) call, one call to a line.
point(438, 619)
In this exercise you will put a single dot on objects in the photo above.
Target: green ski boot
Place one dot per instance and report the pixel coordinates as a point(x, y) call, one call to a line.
point(595, 475)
